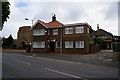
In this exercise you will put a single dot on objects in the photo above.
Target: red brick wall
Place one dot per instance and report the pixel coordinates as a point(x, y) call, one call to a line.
point(40, 38)
point(76, 37)
point(69, 37)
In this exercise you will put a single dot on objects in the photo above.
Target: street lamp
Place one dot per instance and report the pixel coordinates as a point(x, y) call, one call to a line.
point(29, 19)
point(31, 36)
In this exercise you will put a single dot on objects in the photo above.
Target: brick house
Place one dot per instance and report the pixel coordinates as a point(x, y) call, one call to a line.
point(24, 36)
point(105, 36)
point(56, 37)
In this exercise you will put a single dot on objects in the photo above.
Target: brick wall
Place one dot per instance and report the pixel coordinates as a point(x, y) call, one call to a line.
point(24, 35)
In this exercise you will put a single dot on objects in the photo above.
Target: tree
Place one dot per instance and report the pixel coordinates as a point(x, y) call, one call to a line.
point(5, 11)
point(91, 30)
point(98, 41)
point(8, 42)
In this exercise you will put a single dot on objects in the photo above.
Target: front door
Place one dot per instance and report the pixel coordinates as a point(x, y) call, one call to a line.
point(52, 46)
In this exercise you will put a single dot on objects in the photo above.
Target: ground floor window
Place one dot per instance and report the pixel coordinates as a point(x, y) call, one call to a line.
point(58, 45)
point(39, 44)
point(68, 44)
point(79, 44)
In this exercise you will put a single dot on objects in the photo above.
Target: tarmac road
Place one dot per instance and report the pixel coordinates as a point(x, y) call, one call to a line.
point(25, 66)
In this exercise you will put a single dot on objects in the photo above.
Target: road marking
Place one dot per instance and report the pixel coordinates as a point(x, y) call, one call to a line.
point(58, 60)
point(22, 62)
point(49, 59)
point(64, 73)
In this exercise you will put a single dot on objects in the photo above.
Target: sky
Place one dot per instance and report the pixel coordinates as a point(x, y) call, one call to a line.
point(93, 12)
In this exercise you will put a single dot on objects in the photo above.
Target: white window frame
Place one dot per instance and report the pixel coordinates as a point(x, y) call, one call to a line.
point(69, 30)
point(79, 44)
point(57, 44)
point(48, 32)
point(38, 44)
point(68, 44)
point(88, 30)
point(39, 32)
point(55, 31)
point(79, 29)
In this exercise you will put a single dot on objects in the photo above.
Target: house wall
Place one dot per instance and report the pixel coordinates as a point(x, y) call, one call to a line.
point(56, 37)
point(24, 35)
point(76, 37)
point(40, 38)
point(62, 37)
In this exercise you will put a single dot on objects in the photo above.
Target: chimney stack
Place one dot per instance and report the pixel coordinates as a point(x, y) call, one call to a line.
point(97, 26)
point(53, 17)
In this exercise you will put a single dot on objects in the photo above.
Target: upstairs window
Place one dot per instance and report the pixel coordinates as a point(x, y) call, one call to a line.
point(55, 31)
point(79, 44)
point(69, 44)
point(79, 29)
point(39, 32)
point(39, 44)
point(68, 30)
point(88, 30)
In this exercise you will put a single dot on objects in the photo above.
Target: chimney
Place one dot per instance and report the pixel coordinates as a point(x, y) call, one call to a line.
point(97, 26)
point(53, 17)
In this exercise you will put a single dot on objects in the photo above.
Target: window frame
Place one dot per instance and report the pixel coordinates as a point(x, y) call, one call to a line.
point(67, 30)
point(39, 32)
point(55, 31)
point(40, 44)
point(57, 44)
point(81, 44)
point(78, 31)
point(68, 42)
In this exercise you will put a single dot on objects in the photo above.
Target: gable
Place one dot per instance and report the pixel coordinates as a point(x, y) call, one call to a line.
point(38, 26)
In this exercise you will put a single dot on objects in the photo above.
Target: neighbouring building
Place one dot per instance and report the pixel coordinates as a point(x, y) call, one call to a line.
point(55, 37)
point(24, 36)
point(116, 43)
point(105, 36)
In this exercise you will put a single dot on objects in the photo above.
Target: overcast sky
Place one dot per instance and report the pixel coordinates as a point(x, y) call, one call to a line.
point(70, 11)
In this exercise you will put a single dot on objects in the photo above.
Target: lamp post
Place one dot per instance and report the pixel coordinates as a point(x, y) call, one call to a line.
point(29, 19)
point(31, 35)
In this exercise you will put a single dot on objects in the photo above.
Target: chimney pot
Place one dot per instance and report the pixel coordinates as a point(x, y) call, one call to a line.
point(53, 17)
point(97, 26)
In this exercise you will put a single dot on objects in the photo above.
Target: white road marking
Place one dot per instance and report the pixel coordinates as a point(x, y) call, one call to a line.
point(64, 73)
point(58, 60)
point(50, 59)
point(61, 61)
point(22, 62)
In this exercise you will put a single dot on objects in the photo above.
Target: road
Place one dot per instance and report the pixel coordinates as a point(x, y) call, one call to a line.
point(24, 66)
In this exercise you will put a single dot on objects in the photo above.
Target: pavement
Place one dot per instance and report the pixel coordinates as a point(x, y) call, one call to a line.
point(23, 65)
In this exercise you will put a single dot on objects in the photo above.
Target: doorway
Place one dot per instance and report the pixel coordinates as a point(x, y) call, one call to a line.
point(52, 46)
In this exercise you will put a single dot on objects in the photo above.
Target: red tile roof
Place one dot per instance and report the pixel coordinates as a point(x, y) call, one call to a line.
point(52, 24)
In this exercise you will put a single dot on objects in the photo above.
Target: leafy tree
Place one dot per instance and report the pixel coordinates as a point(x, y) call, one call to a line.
point(8, 42)
point(5, 11)
point(98, 41)
point(91, 30)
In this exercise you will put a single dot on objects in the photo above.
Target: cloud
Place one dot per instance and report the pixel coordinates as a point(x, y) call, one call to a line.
point(67, 12)
point(111, 11)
